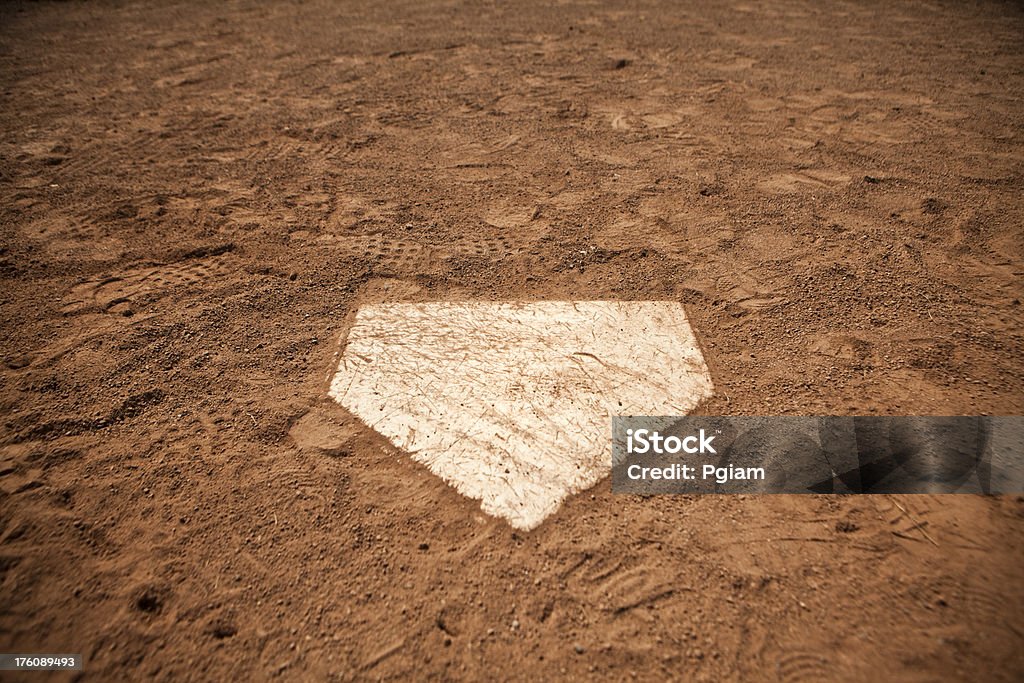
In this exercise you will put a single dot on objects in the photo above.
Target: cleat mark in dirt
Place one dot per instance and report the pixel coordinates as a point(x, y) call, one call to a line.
point(796, 665)
point(401, 253)
point(116, 293)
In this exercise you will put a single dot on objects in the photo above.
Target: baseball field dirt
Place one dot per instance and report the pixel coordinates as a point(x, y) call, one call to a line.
point(196, 198)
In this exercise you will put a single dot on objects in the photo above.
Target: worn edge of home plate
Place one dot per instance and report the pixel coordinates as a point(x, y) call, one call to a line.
point(511, 402)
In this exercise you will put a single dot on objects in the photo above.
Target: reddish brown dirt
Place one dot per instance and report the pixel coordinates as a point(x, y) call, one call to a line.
point(194, 198)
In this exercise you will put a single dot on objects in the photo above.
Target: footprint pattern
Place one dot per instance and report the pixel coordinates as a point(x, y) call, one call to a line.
point(116, 293)
point(972, 601)
point(798, 665)
point(71, 239)
point(809, 180)
point(400, 253)
point(746, 292)
point(619, 586)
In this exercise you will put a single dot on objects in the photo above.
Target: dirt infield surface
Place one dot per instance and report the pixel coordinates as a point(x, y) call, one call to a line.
point(196, 197)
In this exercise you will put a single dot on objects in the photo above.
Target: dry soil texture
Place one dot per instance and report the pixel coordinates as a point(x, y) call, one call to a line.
point(195, 197)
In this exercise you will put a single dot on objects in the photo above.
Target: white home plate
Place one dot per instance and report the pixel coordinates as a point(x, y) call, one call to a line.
point(511, 403)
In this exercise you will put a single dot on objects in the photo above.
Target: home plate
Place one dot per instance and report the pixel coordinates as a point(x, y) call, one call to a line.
point(511, 403)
